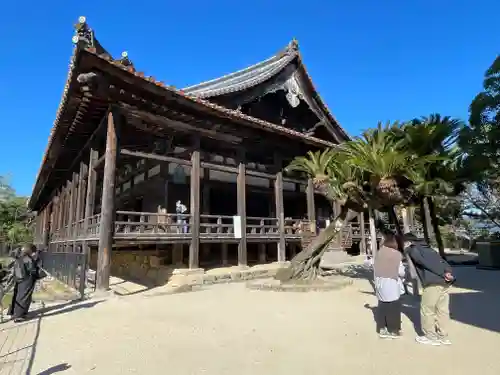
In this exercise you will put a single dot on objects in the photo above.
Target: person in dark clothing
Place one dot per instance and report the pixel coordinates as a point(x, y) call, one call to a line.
point(26, 275)
point(436, 277)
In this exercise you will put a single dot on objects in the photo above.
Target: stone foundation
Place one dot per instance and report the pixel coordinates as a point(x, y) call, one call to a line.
point(150, 268)
point(298, 286)
point(145, 267)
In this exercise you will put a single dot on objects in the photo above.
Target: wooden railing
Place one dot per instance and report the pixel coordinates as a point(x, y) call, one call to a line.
point(260, 226)
point(219, 225)
point(147, 223)
point(130, 225)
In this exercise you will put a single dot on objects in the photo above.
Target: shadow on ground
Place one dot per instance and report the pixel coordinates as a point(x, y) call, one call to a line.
point(474, 300)
point(55, 369)
point(16, 333)
point(478, 304)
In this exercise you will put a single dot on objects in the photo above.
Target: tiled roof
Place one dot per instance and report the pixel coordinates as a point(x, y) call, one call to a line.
point(245, 78)
point(258, 73)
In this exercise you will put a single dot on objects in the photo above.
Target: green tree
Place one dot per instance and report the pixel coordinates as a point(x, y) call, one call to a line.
point(480, 138)
point(435, 137)
point(15, 218)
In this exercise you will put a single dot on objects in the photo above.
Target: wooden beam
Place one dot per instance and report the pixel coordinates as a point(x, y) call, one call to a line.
point(194, 247)
point(280, 215)
point(162, 158)
point(106, 229)
point(165, 122)
point(211, 166)
point(242, 212)
point(311, 206)
point(94, 135)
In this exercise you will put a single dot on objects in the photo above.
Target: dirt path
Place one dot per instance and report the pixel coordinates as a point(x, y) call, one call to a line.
point(228, 329)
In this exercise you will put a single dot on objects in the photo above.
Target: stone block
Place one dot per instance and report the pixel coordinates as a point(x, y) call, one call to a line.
point(247, 275)
point(155, 261)
point(152, 275)
point(236, 276)
point(137, 272)
point(164, 274)
point(333, 258)
point(209, 279)
point(223, 277)
point(188, 271)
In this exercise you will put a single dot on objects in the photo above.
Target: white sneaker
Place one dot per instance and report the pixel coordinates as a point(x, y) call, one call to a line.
point(384, 334)
point(444, 341)
point(427, 341)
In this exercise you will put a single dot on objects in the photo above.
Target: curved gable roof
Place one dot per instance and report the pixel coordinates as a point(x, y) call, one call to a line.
point(263, 71)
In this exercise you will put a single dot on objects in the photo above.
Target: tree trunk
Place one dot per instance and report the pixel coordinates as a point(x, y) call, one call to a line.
point(393, 217)
point(305, 265)
point(435, 225)
point(424, 213)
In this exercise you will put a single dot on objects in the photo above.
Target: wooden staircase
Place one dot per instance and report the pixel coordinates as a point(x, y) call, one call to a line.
point(346, 240)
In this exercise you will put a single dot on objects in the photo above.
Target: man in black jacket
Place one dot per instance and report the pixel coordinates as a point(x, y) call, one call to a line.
point(436, 277)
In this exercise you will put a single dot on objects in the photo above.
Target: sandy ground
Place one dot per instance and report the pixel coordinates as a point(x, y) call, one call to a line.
point(228, 329)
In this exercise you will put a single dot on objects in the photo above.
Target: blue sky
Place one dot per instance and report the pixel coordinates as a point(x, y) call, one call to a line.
point(371, 61)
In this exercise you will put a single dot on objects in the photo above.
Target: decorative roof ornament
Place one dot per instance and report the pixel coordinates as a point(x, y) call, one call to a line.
point(125, 61)
point(84, 35)
point(293, 46)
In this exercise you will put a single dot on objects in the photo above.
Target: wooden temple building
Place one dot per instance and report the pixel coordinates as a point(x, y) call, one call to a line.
point(127, 152)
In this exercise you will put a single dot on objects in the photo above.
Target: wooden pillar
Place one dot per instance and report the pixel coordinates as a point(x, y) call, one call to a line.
point(363, 246)
point(89, 202)
point(411, 217)
point(205, 204)
point(242, 212)
point(64, 211)
point(311, 207)
point(225, 260)
point(194, 247)
point(107, 204)
point(46, 226)
point(373, 232)
point(280, 216)
point(165, 176)
point(60, 214)
point(262, 253)
point(72, 205)
point(91, 186)
point(406, 220)
point(80, 198)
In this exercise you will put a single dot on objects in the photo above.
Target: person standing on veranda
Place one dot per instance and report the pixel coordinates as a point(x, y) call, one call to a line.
point(436, 277)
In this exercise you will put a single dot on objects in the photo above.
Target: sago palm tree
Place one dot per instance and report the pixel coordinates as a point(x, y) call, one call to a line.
point(338, 182)
point(434, 136)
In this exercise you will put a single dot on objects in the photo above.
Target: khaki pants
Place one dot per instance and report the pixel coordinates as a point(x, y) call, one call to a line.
point(435, 311)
